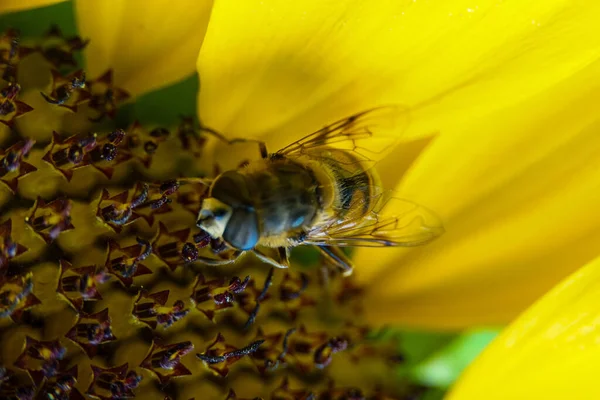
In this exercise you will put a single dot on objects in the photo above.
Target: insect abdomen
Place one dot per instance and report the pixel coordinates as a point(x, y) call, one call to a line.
point(353, 185)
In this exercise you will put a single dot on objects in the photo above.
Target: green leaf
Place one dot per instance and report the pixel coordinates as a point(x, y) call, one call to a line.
point(442, 368)
point(417, 346)
point(164, 106)
point(36, 22)
point(433, 394)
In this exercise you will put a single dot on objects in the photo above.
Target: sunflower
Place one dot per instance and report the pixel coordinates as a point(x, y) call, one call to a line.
point(501, 144)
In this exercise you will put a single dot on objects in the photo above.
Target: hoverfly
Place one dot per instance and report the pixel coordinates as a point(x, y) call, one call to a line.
point(321, 190)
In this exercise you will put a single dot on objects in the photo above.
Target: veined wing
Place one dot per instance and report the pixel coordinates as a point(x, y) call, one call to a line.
point(369, 135)
point(403, 223)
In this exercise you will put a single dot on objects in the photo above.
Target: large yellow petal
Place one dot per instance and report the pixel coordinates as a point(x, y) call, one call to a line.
point(148, 44)
point(7, 6)
point(277, 68)
point(550, 352)
point(518, 192)
point(499, 172)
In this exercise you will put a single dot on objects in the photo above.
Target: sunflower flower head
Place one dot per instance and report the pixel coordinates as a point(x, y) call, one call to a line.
point(104, 292)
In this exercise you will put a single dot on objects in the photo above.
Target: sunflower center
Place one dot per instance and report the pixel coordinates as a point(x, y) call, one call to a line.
point(101, 257)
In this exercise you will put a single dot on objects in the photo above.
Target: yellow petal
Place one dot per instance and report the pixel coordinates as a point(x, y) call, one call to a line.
point(278, 69)
point(478, 74)
point(549, 352)
point(7, 6)
point(518, 192)
point(148, 44)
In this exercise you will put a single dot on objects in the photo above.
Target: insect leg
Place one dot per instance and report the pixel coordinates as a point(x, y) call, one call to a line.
point(284, 256)
point(283, 262)
point(262, 147)
point(211, 261)
point(336, 256)
point(203, 181)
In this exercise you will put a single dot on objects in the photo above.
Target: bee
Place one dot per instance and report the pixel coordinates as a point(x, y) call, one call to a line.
point(321, 190)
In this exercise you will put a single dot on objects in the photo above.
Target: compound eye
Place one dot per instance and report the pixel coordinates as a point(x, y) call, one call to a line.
point(242, 229)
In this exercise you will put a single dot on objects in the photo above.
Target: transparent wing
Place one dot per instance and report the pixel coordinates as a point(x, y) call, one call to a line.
point(391, 221)
point(369, 135)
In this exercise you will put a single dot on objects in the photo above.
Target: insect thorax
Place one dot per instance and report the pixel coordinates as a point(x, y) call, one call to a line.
point(281, 194)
